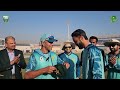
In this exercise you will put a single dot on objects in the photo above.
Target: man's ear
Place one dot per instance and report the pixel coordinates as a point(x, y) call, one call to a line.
point(5, 44)
point(82, 37)
point(41, 43)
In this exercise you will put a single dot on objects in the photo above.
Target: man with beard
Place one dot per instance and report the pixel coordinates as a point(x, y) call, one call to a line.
point(113, 59)
point(92, 60)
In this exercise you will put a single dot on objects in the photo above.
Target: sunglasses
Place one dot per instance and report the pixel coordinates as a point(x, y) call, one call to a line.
point(68, 47)
point(113, 45)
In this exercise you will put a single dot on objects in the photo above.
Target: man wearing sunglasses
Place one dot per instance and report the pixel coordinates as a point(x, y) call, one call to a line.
point(68, 56)
point(42, 61)
point(113, 59)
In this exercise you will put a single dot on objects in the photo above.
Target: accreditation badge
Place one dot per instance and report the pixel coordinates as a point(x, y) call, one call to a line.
point(41, 59)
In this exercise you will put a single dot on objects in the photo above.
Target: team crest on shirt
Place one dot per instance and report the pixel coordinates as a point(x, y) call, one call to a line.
point(53, 57)
point(41, 59)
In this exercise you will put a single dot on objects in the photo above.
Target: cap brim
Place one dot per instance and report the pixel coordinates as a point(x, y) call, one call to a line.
point(52, 40)
point(110, 43)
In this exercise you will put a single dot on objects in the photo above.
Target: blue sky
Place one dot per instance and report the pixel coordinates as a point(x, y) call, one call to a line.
point(30, 25)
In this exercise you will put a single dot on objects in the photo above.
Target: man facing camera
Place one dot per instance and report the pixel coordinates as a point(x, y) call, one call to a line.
point(42, 62)
point(11, 60)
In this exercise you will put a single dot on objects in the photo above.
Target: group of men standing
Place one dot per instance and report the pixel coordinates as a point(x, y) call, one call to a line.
point(45, 64)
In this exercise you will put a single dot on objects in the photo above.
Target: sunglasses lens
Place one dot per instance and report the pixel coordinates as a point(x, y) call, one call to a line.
point(67, 47)
point(113, 45)
point(51, 42)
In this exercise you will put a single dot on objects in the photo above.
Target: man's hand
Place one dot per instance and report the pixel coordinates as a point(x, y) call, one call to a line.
point(66, 64)
point(50, 69)
point(15, 60)
point(78, 78)
point(12, 62)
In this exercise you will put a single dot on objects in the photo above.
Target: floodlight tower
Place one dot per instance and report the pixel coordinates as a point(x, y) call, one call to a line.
point(68, 31)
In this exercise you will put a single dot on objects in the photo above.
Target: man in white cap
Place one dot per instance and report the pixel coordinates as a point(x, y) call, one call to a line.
point(113, 59)
point(42, 61)
point(74, 70)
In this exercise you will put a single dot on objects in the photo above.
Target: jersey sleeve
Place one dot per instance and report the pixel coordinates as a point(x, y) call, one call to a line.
point(31, 63)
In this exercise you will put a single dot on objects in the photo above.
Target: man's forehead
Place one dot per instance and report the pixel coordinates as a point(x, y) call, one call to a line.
point(10, 39)
point(67, 44)
point(92, 39)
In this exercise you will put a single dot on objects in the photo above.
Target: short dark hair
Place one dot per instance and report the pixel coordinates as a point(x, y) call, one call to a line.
point(93, 37)
point(79, 32)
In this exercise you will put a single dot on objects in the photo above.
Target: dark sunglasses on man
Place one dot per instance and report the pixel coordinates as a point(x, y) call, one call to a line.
point(113, 45)
point(68, 47)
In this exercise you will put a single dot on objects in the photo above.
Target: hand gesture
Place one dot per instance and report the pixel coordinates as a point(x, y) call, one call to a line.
point(15, 60)
point(66, 64)
point(50, 69)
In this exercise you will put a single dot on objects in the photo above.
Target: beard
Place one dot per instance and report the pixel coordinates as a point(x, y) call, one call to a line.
point(112, 50)
point(80, 45)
